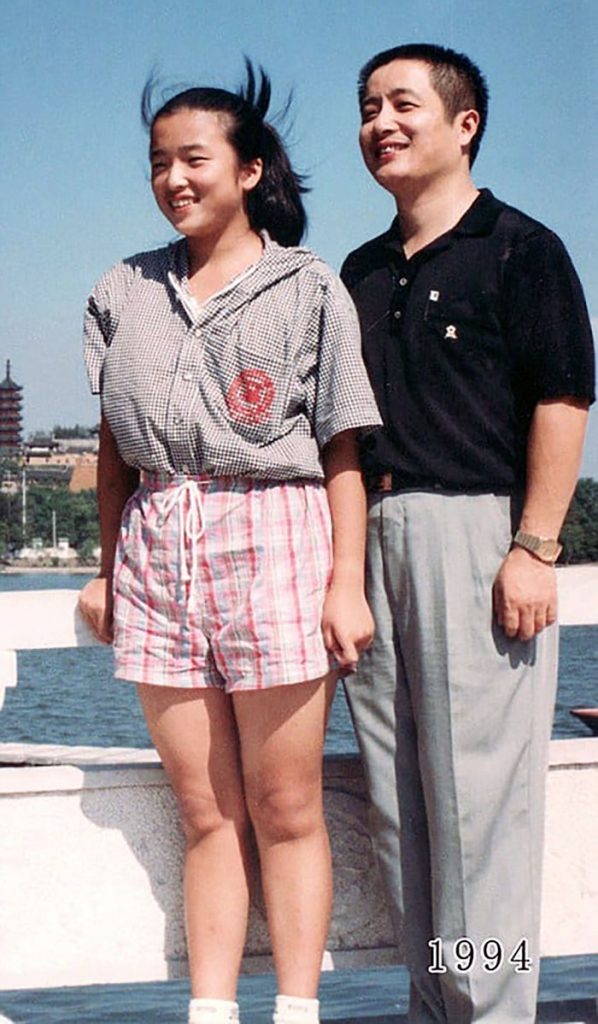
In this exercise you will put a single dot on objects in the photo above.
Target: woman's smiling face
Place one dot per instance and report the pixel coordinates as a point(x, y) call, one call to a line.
point(197, 179)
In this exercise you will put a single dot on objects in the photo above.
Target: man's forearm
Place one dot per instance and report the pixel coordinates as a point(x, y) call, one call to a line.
point(524, 593)
point(553, 458)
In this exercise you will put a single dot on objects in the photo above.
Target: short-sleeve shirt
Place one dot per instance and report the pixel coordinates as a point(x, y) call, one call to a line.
point(462, 341)
point(254, 382)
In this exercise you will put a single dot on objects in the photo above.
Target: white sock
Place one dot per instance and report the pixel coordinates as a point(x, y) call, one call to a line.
point(296, 1010)
point(213, 1011)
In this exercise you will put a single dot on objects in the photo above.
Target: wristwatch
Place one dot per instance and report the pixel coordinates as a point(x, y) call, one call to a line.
point(545, 548)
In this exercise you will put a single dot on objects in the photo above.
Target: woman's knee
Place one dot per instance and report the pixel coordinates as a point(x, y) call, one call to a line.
point(282, 812)
point(204, 815)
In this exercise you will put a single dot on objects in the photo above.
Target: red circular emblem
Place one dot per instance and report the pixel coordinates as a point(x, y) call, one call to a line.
point(250, 396)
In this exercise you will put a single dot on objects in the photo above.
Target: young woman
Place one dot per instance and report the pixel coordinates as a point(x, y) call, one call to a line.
point(232, 522)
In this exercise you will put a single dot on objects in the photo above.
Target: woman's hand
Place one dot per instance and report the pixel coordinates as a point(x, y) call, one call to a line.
point(347, 624)
point(95, 605)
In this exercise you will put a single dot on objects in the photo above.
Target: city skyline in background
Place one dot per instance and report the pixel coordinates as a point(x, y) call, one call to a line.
point(76, 196)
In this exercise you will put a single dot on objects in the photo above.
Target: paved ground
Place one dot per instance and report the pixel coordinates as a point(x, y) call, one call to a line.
point(341, 993)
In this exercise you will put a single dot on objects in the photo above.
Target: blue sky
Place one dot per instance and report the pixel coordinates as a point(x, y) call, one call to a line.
point(75, 196)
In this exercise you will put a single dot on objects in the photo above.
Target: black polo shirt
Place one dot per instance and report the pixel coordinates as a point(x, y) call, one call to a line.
point(462, 340)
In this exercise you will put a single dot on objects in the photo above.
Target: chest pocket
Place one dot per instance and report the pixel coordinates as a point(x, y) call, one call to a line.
point(468, 326)
point(250, 387)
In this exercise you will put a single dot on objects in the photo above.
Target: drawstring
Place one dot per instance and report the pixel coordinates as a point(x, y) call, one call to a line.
point(191, 528)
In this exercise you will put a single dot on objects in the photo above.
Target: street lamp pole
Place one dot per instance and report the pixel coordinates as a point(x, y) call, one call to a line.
point(24, 504)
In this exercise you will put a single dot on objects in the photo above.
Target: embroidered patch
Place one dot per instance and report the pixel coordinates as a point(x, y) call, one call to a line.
point(250, 396)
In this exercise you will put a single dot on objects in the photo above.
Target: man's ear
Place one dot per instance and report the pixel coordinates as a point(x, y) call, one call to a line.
point(469, 122)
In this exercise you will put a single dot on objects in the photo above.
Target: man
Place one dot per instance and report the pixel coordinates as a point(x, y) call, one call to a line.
point(479, 348)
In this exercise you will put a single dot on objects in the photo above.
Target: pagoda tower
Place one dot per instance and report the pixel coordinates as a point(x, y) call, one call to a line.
point(11, 400)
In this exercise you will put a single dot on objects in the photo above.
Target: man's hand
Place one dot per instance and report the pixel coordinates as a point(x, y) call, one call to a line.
point(347, 625)
point(95, 605)
point(524, 595)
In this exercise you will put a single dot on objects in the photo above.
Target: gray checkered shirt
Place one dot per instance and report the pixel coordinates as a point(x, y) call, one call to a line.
point(252, 383)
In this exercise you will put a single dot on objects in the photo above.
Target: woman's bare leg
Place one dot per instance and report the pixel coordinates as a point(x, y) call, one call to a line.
point(282, 736)
point(195, 734)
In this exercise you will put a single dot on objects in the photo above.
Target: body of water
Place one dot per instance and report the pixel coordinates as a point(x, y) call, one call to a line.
point(80, 702)
point(70, 697)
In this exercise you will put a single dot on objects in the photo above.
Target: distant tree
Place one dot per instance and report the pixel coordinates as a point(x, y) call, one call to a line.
point(86, 552)
point(9, 467)
point(84, 528)
point(76, 518)
point(5, 538)
point(10, 522)
point(580, 531)
point(63, 433)
point(76, 514)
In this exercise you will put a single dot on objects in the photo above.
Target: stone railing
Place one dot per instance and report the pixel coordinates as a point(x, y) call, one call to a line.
point(91, 855)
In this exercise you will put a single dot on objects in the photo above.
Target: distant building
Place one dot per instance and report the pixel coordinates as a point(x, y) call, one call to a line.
point(11, 400)
point(79, 445)
point(84, 476)
point(51, 447)
point(40, 447)
point(72, 460)
point(61, 553)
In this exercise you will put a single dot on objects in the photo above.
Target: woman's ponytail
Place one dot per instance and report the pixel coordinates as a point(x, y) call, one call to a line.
point(275, 203)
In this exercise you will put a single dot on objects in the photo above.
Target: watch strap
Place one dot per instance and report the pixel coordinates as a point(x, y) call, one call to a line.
point(547, 549)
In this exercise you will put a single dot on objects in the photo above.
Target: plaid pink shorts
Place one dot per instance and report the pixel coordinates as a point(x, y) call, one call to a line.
point(221, 582)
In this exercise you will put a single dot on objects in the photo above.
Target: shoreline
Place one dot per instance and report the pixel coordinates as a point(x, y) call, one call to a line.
point(90, 570)
point(44, 570)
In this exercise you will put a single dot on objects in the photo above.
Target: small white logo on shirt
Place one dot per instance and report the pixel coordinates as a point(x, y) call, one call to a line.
point(450, 332)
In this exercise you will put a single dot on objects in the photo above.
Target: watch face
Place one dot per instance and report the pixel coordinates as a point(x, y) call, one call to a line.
point(549, 550)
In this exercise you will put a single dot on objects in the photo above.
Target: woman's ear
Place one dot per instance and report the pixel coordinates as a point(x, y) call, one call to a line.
point(251, 173)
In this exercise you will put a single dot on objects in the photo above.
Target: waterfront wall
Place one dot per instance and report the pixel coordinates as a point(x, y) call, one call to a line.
point(90, 884)
point(90, 889)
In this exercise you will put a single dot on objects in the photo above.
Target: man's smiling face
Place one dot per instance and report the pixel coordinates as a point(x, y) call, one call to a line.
point(406, 137)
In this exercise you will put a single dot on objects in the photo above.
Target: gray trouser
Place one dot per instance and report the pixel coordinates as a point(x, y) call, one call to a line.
point(453, 721)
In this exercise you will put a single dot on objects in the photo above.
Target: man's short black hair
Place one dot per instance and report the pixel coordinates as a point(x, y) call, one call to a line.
point(457, 80)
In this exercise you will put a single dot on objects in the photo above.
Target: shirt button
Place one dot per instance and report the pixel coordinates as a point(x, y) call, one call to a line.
point(187, 376)
point(397, 314)
point(403, 281)
point(185, 468)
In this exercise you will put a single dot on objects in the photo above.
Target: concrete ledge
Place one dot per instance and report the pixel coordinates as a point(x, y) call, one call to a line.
point(570, 884)
point(33, 619)
point(578, 594)
point(52, 753)
point(565, 754)
point(90, 890)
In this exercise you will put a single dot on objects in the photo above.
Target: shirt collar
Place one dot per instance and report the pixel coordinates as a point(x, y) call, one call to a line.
point(481, 216)
point(479, 219)
point(273, 253)
point(275, 263)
